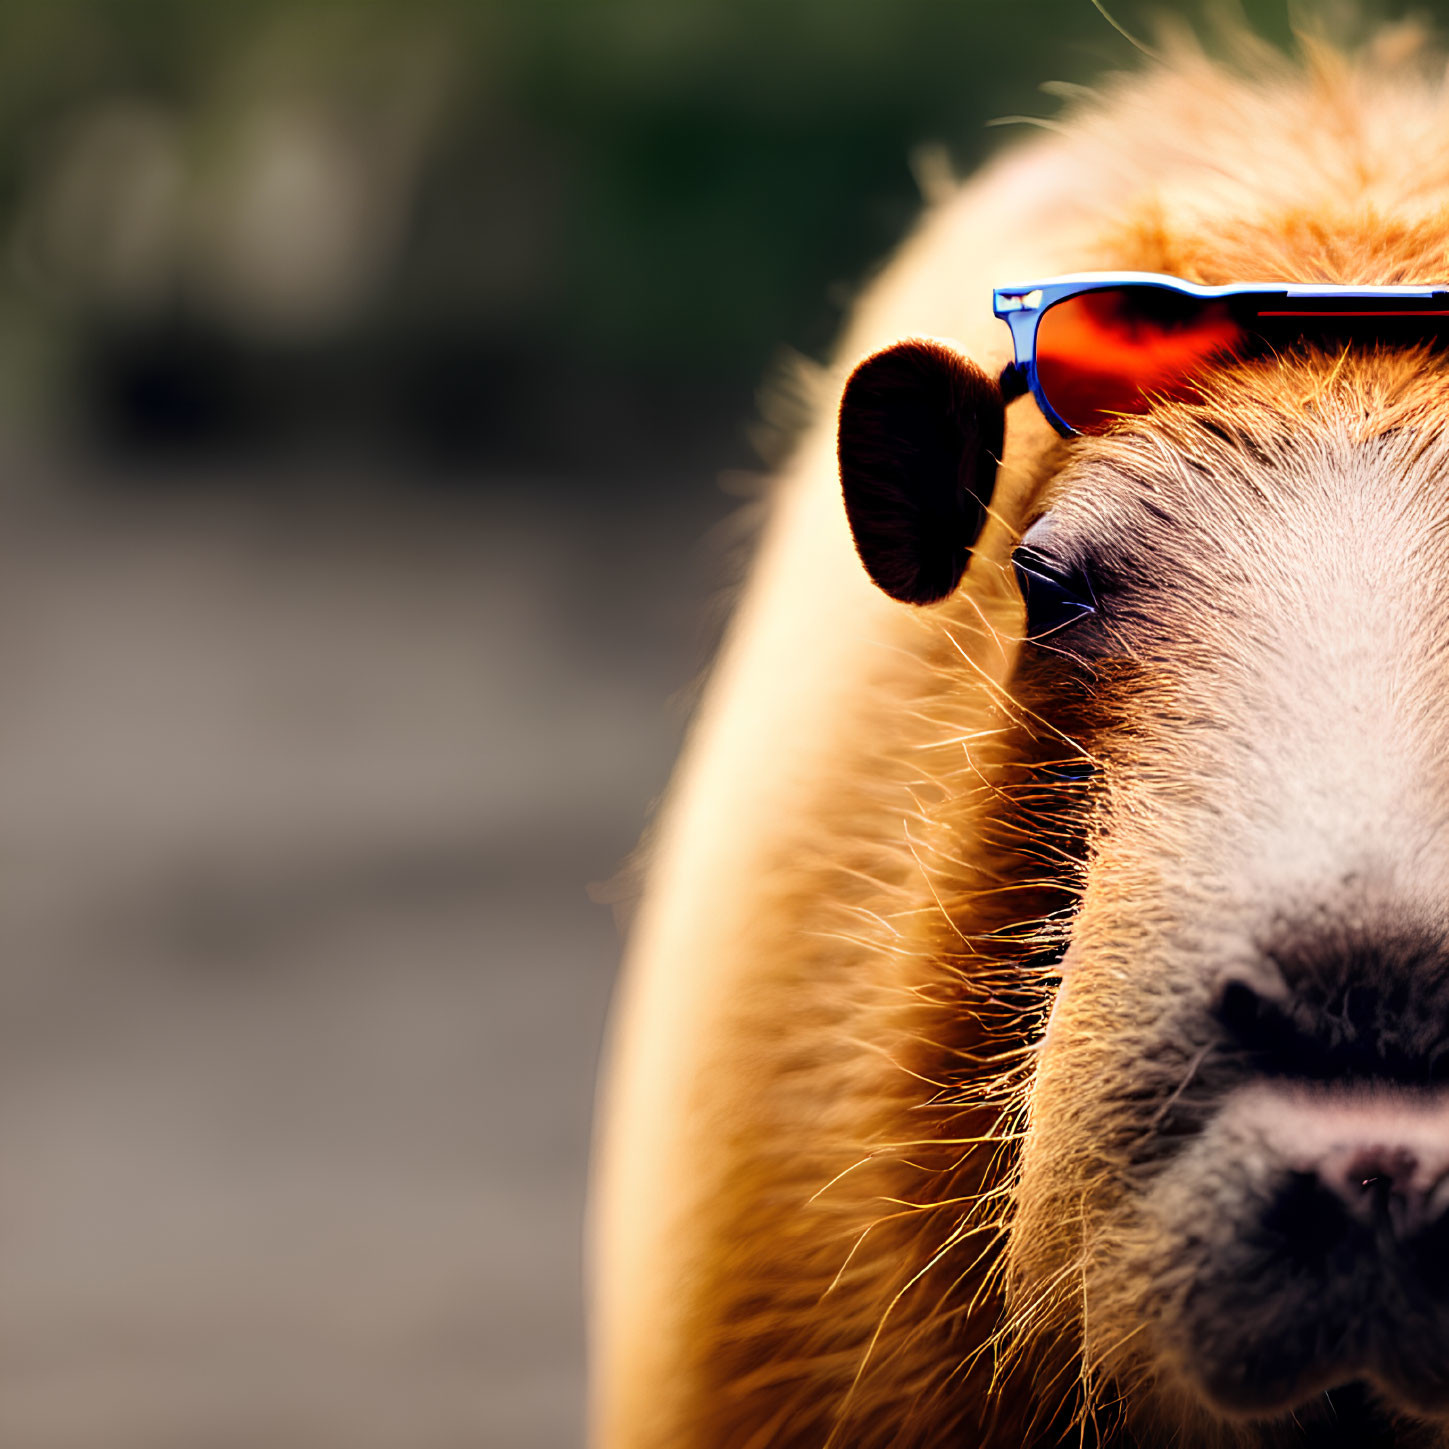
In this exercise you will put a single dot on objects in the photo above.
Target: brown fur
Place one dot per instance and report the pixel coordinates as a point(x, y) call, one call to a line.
point(868, 1265)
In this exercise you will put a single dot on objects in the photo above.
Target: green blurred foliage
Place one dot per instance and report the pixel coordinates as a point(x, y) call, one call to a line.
point(634, 188)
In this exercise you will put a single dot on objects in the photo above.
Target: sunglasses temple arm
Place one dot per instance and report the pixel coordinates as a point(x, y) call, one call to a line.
point(1012, 382)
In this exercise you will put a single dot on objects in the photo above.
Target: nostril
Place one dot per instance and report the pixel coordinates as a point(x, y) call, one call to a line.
point(1255, 1021)
point(1338, 998)
point(1240, 1007)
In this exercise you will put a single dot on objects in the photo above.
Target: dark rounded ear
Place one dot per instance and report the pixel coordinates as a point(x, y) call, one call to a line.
point(921, 430)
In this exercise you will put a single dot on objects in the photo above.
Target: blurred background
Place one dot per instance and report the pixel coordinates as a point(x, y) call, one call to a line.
point(377, 388)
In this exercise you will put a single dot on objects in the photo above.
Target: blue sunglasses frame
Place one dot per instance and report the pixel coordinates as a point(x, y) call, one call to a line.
point(1022, 308)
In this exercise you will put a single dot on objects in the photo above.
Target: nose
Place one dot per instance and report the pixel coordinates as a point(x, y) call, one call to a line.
point(1347, 1034)
point(1342, 1005)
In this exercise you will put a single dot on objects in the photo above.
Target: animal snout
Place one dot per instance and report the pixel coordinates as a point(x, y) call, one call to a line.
point(1347, 1037)
point(1346, 1190)
point(1314, 1205)
point(1318, 1219)
point(1379, 1176)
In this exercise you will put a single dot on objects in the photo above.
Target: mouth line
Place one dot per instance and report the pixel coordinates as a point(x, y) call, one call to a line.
point(1354, 1412)
point(1358, 1397)
point(1356, 1351)
point(1350, 1413)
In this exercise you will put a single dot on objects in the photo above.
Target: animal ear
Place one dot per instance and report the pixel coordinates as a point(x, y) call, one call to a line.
point(921, 430)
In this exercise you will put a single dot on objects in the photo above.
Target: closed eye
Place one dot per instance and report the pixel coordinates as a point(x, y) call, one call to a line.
point(1056, 595)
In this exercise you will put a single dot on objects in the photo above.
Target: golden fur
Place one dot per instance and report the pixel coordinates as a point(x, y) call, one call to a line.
point(816, 1221)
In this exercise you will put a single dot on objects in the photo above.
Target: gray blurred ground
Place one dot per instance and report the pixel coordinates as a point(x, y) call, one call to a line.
point(301, 994)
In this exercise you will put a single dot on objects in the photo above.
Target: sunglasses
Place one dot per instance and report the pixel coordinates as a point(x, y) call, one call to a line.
point(1096, 346)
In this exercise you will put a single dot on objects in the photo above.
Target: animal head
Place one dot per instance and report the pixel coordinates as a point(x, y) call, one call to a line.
point(1233, 641)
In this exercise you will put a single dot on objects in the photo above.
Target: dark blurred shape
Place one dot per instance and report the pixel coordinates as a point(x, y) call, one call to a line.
point(440, 220)
point(166, 386)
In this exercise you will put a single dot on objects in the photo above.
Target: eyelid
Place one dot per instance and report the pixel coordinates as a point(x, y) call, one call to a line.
point(1038, 538)
point(1056, 594)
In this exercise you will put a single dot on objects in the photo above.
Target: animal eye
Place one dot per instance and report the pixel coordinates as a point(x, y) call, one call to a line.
point(1055, 594)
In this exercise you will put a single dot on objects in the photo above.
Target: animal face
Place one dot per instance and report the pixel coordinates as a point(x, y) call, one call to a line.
point(1240, 1145)
point(1234, 1192)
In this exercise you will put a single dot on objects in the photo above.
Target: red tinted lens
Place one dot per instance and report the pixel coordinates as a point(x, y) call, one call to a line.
point(1114, 350)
